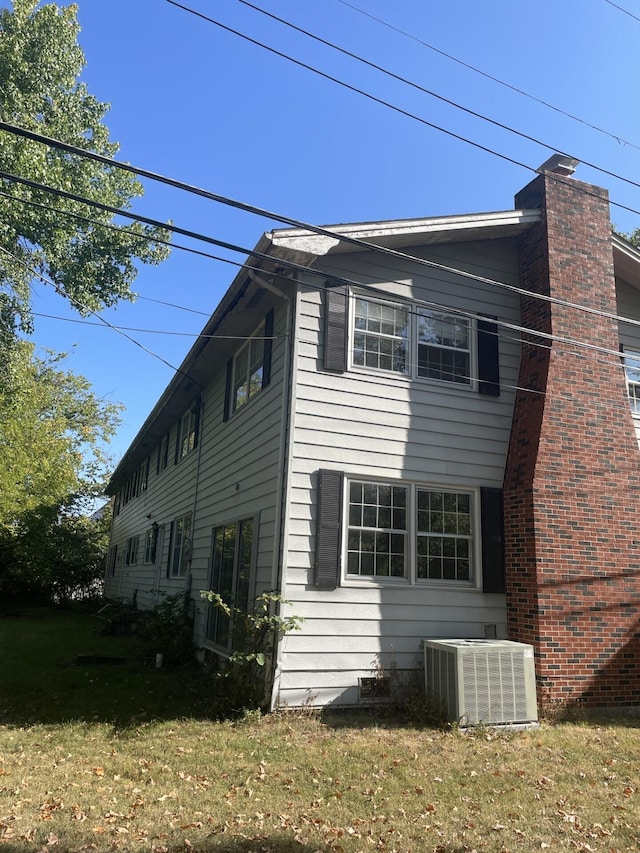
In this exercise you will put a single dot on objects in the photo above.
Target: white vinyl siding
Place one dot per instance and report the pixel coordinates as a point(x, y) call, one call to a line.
point(384, 426)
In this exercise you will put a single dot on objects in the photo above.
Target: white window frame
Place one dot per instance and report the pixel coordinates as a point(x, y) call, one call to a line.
point(187, 433)
point(247, 377)
point(632, 377)
point(180, 551)
point(446, 319)
point(412, 535)
point(377, 335)
point(407, 363)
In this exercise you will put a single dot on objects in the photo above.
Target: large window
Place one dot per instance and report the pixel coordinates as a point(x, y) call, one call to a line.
point(632, 372)
point(248, 367)
point(180, 550)
point(429, 344)
point(231, 559)
point(411, 532)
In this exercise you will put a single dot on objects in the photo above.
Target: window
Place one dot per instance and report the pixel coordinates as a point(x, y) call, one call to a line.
point(411, 532)
point(163, 454)
point(444, 350)
point(143, 476)
point(632, 372)
point(150, 544)
point(399, 339)
point(112, 557)
point(131, 554)
point(247, 370)
point(231, 560)
point(443, 532)
point(377, 530)
point(187, 435)
point(180, 550)
point(380, 335)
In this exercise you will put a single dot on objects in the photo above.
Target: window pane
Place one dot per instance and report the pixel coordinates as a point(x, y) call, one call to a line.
point(372, 548)
point(443, 347)
point(380, 335)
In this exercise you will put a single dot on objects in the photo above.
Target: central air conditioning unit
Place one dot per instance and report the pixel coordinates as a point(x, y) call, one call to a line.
point(489, 682)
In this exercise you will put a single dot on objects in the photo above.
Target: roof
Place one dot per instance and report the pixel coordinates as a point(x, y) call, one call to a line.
point(274, 254)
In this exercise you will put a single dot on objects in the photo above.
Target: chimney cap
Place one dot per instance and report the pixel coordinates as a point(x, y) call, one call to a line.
point(559, 164)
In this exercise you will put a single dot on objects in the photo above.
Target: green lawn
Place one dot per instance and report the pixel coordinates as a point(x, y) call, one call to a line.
point(124, 759)
point(42, 683)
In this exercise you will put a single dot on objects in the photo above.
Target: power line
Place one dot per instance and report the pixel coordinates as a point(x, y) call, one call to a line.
point(626, 11)
point(477, 70)
point(422, 89)
point(36, 274)
point(391, 106)
point(323, 232)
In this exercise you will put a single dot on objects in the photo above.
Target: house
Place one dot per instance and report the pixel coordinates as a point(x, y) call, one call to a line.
point(410, 429)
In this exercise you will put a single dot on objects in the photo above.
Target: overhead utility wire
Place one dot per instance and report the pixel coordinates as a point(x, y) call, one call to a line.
point(411, 258)
point(391, 106)
point(369, 288)
point(323, 231)
point(626, 11)
point(34, 272)
point(430, 92)
point(314, 228)
point(488, 76)
point(521, 330)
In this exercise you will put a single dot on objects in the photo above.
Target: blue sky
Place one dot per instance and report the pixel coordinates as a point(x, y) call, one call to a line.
point(197, 103)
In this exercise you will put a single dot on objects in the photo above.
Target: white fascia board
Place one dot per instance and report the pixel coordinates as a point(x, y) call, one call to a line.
point(404, 232)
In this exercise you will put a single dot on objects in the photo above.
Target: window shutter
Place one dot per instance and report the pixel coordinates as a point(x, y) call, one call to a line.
point(228, 391)
point(335, 327)
point(268, 349)
point(493, 569)
point(488, 358)
point(328, 529)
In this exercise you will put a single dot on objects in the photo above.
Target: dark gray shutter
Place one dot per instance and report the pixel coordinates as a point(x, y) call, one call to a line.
point(493, 569)
point(268, 349)
point(336, 303)
point(488, 358)
point(327, 570)
point(228, 391)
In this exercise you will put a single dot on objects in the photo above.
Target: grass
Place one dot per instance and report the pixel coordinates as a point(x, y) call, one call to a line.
point(118, 759)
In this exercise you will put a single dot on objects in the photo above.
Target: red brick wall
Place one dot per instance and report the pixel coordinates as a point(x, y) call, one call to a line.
point(572, 482)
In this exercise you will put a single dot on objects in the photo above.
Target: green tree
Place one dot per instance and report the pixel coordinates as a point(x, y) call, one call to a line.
point(91, 261)
point(53, 434)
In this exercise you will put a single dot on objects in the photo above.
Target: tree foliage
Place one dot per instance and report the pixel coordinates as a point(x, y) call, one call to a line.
point(89, 259)
point(53, 431)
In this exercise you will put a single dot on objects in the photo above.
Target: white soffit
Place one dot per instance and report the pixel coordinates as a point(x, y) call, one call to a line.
point(626, 261)
point(400, 233)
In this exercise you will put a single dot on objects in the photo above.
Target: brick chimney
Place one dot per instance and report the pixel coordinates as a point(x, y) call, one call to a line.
point(572, 480)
